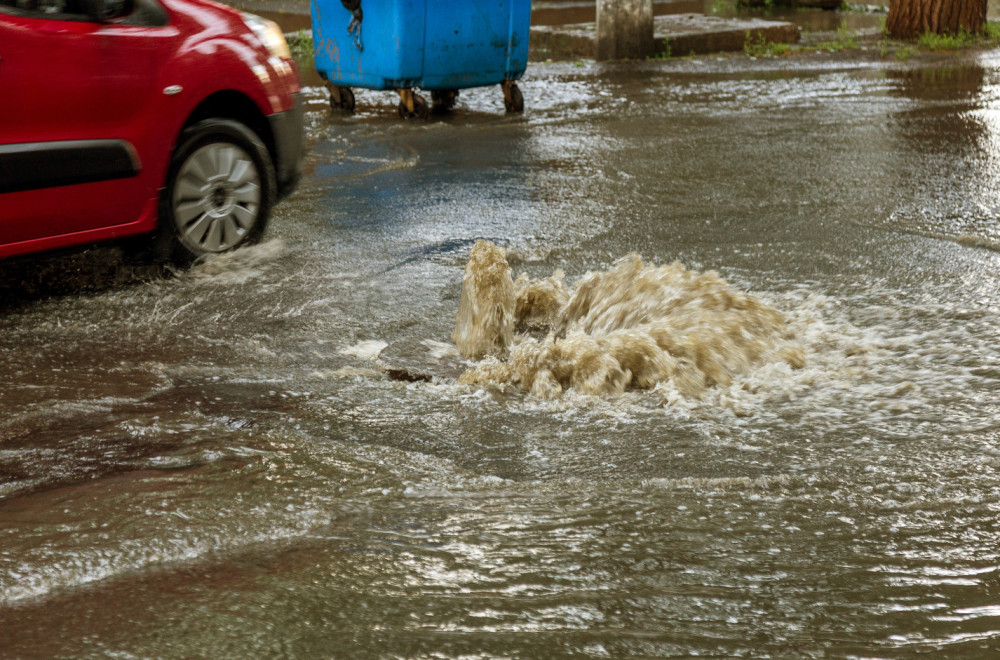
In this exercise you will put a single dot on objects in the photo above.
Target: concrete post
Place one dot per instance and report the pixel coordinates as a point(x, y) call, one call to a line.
point(624, 29)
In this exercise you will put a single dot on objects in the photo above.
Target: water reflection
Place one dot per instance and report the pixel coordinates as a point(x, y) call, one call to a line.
point(944, 119)
point(951, 137)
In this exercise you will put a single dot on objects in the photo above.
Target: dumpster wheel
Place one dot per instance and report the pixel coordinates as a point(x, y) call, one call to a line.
point(341, 97)
point(412, 105)
point(513, 100)
point(444, 99)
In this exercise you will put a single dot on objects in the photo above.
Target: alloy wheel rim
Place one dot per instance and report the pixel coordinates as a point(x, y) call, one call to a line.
point(216, 199)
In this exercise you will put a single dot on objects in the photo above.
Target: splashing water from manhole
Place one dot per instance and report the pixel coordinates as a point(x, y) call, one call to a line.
point(660, 328)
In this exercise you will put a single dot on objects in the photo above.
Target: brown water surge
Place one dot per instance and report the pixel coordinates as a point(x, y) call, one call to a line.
point(662, 328)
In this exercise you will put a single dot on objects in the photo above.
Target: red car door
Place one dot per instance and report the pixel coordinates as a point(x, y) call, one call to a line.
point(78, 105)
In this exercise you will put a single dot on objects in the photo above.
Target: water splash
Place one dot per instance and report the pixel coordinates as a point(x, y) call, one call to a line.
point(237, 266)
point(366, 350)
point(663, 328)
point(485, 322)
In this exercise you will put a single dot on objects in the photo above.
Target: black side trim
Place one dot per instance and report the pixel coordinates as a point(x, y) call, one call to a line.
point(36, 165)
point(144, 13)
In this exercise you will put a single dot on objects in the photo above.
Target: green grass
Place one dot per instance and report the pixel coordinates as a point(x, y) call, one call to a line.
point(757, 45)
point(961, 39)
point(846, 39)
point(929, 41)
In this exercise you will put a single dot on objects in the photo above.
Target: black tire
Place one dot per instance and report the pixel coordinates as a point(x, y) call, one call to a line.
point(220, 190)
point(346, 102)
point(516, 102)
point(347, 99)
point(420, 109)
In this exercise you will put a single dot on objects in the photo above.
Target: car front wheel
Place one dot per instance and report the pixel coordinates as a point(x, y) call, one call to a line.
point(220, 190)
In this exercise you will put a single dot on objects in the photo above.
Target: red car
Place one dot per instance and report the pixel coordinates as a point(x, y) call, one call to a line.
point(182, 119)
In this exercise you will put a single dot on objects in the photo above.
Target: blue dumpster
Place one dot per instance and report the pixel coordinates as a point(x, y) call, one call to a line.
point(441, 46)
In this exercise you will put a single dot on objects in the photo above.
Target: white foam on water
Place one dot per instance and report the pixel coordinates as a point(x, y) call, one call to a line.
point(366, 350)
point(439, 350)
point(237, 266)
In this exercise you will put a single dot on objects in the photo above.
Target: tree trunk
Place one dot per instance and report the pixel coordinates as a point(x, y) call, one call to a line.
point(908, 19)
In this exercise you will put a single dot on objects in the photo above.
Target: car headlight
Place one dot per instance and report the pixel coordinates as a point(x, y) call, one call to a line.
point(269, 34)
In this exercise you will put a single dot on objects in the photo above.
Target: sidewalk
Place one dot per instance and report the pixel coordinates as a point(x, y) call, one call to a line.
point(566, 29)
point(673, 34)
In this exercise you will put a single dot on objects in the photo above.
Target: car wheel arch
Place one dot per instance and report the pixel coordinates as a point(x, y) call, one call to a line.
point(233, 105)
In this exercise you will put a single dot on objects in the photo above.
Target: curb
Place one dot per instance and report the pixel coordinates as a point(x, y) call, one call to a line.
point(676, 34)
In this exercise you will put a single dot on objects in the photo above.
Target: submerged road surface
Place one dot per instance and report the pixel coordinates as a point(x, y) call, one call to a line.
point(273, 455)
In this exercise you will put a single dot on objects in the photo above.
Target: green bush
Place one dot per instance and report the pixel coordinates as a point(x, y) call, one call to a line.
point(301, 45)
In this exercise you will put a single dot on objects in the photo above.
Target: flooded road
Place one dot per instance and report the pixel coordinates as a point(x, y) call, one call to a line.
point(276, 453)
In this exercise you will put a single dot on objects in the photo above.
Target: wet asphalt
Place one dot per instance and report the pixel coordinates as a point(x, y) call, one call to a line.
point(204, 463)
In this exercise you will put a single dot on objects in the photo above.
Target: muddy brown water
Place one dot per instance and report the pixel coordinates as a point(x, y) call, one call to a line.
point(231, 463)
